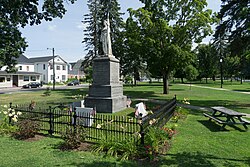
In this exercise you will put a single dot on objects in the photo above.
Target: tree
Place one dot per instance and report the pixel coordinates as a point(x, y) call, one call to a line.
point(235, 18)
point(16, 13)
point(169, 28)
point(98, 10)
point(133, 63)
point(91, 33)
point(208, 59)
point(191, 73)
point(234, 25)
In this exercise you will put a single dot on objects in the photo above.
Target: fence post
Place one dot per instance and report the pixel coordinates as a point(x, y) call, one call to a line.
point(141, 129)
point(10, 112)
point(74, 117)
point(51, 121)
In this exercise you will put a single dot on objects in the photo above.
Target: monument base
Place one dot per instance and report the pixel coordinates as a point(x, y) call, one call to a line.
point(106, 104)
point(106, 91)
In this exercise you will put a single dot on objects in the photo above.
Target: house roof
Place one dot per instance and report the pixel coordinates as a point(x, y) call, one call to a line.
point(40, 59)
point(22, 59)
point(19, 73)
point(44, 59)
point(72, 64)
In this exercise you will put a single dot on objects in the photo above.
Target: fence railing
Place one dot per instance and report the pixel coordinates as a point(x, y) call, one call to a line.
point(159, 118)
point(56, 120)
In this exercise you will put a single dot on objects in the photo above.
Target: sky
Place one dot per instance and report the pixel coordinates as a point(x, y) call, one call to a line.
point(65, 35)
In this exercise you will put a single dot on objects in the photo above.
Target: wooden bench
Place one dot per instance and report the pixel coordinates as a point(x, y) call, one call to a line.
point(246, 121)
point(214, 118)
point(229, 116)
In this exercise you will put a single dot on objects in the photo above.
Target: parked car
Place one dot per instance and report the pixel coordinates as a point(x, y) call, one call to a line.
point(32, 85)
point(73, 83)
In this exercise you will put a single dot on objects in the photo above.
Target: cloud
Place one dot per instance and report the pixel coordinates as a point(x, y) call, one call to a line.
point(52, 27)
point(81, 26)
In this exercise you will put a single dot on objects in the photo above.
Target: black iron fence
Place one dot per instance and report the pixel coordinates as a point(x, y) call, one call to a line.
point(56, 120)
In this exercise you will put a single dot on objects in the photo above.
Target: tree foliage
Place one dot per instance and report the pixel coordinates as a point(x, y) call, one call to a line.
point(235, 19)
point(19, 13)
point(208, 59)
point(169, 27)
point(133, 63)
point(98, 12)
point(234, 27)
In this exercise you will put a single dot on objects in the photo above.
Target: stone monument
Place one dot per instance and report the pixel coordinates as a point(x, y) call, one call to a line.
point(106, 91)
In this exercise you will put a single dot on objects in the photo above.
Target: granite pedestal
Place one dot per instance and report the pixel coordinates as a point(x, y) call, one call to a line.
point(106, 91)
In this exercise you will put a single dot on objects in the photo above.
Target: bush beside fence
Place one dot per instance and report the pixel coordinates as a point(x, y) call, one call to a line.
point(56, 120)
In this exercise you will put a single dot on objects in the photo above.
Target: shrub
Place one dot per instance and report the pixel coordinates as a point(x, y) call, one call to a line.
point(47, 92)
point(180, 113)
point(8, 115)
point(157, 140)
point(6, 128)
point(124, 150)
point(72, 138)
point(26, 129)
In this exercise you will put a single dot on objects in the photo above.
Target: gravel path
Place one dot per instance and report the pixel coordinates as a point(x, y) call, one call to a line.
point(206, 87)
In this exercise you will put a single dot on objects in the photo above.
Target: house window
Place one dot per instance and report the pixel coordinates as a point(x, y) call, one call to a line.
point(63, 77)
point(26, 78)
point(28, 68)
point(44, 77)
point(8, 79)
point(58, 68)
point(44, 67)
point(20, 68)
point(33, 78)
point(64, 67)
point(2, 79)
point(51, 66)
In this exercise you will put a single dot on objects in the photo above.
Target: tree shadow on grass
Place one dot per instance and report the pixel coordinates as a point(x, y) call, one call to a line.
point(210, 103)
point(141, 94)
point(72, 92)
point(105, 164)
point(197, 159)
point(241, 90)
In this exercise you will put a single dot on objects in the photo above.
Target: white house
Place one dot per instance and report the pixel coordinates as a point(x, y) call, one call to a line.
point(24, 75)
point(44, 65)
point(35, 70)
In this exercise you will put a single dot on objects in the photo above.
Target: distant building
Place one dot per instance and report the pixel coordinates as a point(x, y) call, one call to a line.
point(35, 70)
point(76, 70)
point(24, 75)
point(44, 65)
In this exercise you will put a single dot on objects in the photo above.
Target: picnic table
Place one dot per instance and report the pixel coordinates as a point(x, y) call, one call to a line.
point(227, 116)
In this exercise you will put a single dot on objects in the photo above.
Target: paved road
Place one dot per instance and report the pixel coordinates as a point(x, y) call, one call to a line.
point(19, 89)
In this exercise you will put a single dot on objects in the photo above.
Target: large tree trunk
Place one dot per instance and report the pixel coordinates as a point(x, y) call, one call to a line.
point(135, 80)
point(165, 84)
point(182, 80)
point(136, 76)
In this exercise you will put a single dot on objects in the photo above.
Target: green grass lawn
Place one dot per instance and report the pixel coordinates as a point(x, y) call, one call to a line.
point(43, 153)
point(197, 96)
point(198, 142)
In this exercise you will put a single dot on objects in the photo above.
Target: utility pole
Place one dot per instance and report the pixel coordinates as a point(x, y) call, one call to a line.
point(53, 65)
point(54, 76)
